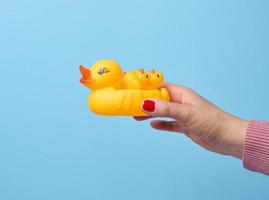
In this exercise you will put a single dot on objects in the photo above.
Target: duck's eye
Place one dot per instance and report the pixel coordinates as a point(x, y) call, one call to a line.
point(100, 71)
point(106, 70)
point(147, 76)
point(158, 75)
point(103, 70)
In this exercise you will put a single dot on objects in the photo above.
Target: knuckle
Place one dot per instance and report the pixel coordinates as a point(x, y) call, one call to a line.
point(169, 110)
point(188, 89)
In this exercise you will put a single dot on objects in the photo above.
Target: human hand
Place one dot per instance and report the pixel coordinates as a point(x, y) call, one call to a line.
point(200, 120)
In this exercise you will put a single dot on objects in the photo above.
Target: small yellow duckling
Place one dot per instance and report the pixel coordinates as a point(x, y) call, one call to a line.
point(136, 80)
point(156, 78)
point(103, 73)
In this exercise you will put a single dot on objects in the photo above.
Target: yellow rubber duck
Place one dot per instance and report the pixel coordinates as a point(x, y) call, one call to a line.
point(156, 78)
point(108, 97)
point(136, 80)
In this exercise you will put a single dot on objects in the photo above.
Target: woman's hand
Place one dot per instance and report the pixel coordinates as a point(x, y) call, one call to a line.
point(200, 120)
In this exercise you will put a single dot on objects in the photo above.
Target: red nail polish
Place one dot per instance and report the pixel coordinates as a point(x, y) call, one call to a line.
point(149, 105)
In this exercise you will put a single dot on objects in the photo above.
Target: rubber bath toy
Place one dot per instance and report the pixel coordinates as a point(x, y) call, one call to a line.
point(118, 93)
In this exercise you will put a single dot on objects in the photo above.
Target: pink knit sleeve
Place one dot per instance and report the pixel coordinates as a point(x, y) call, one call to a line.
point(256, 147)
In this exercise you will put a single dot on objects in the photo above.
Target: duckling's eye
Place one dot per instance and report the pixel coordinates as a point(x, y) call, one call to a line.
point(100, 71)
point(147, 76)
point(158, 75)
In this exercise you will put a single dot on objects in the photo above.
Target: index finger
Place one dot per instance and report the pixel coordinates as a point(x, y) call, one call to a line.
point(176, 91)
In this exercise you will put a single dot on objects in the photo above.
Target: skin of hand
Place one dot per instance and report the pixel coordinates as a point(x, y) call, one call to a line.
point(204, 123)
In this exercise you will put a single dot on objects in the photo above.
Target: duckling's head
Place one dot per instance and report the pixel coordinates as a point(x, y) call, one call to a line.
point(143, 77)
point(103, 73)
point(156, 78)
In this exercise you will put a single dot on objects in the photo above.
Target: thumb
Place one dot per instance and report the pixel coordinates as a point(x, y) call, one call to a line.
point(160, 108)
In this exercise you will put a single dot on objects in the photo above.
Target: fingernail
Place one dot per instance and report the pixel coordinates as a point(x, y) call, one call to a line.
point(149, 105)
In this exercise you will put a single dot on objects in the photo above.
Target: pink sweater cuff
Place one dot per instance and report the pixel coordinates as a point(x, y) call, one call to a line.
point(256, 147)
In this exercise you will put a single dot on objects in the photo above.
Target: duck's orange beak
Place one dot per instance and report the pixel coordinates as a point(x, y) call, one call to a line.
point(86, 78)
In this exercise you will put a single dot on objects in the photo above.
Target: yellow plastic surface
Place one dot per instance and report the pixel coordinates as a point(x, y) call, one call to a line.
point(117, 93)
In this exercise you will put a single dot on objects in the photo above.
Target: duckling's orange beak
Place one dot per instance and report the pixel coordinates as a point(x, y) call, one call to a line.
point(86, 76)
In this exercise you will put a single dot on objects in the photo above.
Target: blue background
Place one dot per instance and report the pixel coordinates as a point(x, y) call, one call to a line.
point(52, 147)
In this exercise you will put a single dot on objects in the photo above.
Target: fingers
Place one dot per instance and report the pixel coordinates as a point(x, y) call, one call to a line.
point(172, 126)
point(142, 118)
point(165, 125)
point(171, 86)
point(159, 108)
point(176, 91)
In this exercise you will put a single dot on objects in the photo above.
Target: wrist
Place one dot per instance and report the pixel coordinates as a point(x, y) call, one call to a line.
point(237, 129)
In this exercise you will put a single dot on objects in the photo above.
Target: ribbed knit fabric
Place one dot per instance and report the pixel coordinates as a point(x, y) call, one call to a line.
point(256, 147)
